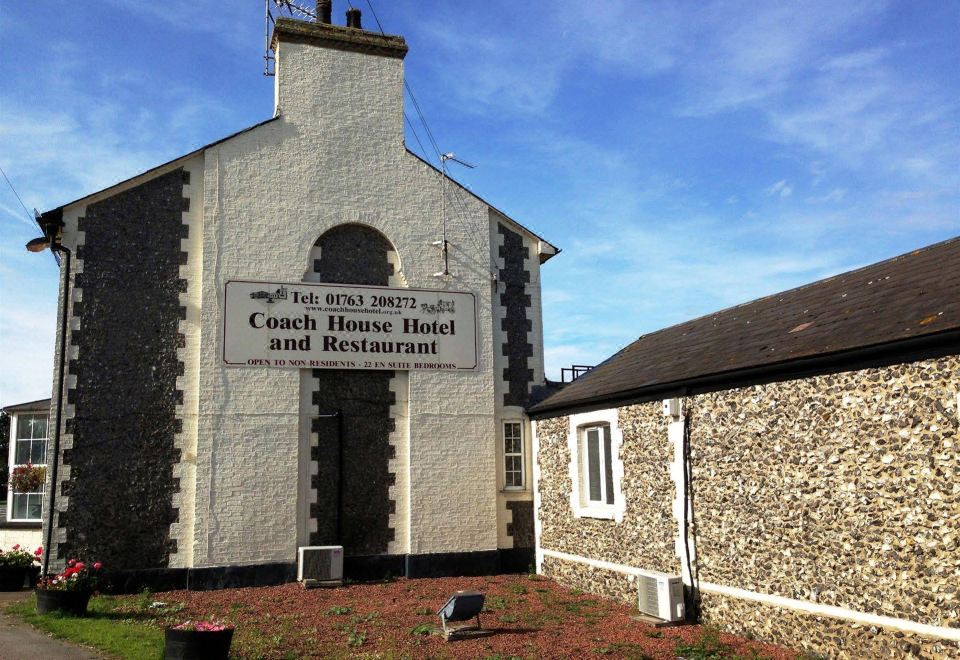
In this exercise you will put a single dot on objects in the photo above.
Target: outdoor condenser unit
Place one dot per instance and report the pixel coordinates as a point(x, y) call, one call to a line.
point(661, 595)
point(320, 565)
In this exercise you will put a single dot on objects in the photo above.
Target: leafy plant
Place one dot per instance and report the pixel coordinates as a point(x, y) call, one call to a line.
point(77, 576)
point(145, 599)
point(422, 629)
point(203, 626)
point(28, 478)
point(518, 589)
point(339, 610)
point(17, 557)
point(356, 638)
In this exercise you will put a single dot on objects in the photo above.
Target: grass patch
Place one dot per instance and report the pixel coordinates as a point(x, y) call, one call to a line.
point(709, 647)
point(103, 629)
point(632, 651)
point(422, 629)
point(495, 603)
point(518, 589)
point(339, 610)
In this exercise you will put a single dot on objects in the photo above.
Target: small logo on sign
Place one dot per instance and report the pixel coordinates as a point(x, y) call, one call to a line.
point(279, 294)
point(442, 307)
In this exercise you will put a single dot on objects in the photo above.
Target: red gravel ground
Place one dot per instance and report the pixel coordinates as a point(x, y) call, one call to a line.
point(530, 616)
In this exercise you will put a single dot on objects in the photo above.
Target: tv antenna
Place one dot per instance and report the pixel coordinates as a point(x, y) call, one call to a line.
point(443, 244)
point(293, 9)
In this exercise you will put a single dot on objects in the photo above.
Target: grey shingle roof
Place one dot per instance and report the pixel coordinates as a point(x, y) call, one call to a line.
point(907, 297)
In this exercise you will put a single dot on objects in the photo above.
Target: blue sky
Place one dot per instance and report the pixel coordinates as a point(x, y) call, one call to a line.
point(686, 156)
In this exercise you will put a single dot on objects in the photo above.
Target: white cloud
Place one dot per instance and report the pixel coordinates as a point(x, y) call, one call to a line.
point(780, 189)
point(835, 195)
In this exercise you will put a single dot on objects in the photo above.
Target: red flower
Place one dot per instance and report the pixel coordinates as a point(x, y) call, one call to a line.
point(39, 551)
point(71, 562)
point(97, 565)
point(80, 566)
point(16, 546)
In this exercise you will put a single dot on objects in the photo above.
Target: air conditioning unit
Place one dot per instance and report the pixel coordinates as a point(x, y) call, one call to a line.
point(320, 565)
point(661, 595)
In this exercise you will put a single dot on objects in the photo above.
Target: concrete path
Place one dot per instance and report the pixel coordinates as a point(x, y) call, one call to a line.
point(20, 641)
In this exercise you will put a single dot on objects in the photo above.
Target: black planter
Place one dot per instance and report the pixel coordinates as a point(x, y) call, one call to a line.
point(71, 602)
point(198, 644)
point(12, 578)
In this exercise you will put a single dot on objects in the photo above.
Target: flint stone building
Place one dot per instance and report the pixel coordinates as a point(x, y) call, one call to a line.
point(806, 481)
point(172, 459)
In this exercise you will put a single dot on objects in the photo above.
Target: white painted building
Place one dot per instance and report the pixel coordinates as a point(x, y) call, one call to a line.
point(27, 448)
point(214, 464)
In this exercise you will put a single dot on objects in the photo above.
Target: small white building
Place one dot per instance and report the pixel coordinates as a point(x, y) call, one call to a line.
point(21, 520)
point(301, 334)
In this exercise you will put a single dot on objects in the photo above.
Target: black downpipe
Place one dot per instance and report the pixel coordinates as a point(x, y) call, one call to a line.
point(52, 495)
point(340, 476)
point(694, 610)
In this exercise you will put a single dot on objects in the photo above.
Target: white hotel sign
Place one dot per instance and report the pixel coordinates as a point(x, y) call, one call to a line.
point(334, 326)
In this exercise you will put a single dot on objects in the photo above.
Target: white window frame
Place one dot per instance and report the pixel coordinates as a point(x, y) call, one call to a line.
point(15, 421)
point(579, 496)
point(522, 454)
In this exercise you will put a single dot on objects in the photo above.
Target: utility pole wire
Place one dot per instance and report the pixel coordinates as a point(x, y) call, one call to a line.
point(7, 179)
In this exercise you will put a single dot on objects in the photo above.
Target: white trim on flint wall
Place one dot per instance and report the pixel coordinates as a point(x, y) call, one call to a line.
point(889, 622)
point(578, 504)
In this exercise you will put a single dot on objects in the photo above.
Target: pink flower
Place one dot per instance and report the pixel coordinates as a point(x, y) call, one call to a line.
point(97, 565)
point(16, 547)
point(71, 562)
point(80, 566)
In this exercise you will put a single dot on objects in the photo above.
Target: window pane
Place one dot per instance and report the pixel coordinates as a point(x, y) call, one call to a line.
point(34, 506)
point(514, 480)
point(593, 464)
point(38, 452)
point(19, 505)
point(512, 445)
point(22, 456)
point(608, 463)
point(39, 426)
point(25, 426)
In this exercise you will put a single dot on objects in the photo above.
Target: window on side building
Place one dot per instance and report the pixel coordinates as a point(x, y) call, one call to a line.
point(596, 470)
point(30, 447)
point(595, 443)
point(513, 455)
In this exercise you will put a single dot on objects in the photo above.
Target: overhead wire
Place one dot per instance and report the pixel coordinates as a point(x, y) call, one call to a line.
point(17, 195)
point(461, 204)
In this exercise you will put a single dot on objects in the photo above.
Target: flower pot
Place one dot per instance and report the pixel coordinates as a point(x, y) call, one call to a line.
point(71, 602)
point(12, 578)
point(198, 644)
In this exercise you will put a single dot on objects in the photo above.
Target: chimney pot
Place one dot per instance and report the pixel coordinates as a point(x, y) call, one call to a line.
point(353, 18)
point(324, 11)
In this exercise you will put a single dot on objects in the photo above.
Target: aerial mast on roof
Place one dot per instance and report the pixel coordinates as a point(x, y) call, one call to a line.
point(443, 209)
point(294, 9)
